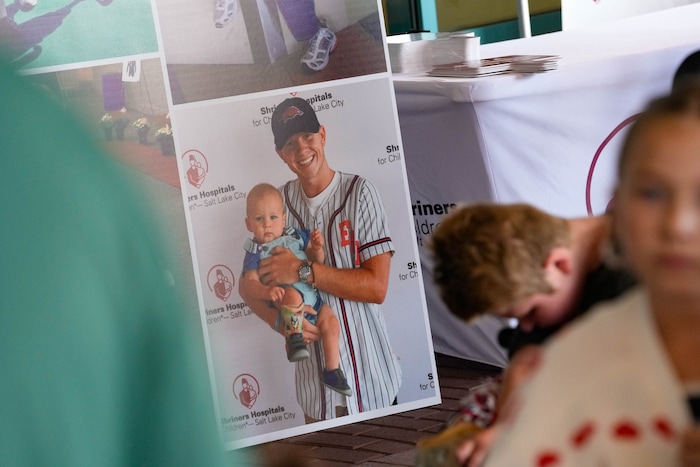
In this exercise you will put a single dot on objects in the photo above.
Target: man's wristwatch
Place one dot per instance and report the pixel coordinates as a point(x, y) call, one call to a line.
point(305, 271)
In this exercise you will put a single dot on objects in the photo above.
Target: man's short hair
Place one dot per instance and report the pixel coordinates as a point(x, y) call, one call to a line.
point(291, 116)
point(489, 257)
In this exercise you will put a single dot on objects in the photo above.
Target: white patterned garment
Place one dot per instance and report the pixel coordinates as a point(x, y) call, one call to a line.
point(354, 227)
point(605, 394)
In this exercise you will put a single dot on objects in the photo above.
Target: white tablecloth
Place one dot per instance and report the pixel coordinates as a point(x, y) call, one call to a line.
point(548, 139)
point(576, 14)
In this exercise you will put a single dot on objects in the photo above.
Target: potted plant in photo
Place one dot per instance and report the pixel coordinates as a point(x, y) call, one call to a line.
point(120, 125)
point(142, 126)
point(164, 135)
point(107, 123)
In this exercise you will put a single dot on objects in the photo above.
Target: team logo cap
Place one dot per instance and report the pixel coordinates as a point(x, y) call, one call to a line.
point(291, 116)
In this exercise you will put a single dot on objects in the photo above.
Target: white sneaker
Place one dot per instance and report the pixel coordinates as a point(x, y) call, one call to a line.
point(320, 47)
point(224, 11)
point(27, 5)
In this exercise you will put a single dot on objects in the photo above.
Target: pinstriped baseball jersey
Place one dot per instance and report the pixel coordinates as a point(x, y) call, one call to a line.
point(355, 228)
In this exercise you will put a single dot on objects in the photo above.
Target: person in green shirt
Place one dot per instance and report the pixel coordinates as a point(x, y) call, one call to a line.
point(100, 363)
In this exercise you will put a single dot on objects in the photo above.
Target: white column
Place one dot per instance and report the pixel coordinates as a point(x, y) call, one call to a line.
point(524, 18)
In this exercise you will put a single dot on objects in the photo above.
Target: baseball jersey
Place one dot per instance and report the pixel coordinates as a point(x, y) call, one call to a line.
point(604, 394)
point(355, 228)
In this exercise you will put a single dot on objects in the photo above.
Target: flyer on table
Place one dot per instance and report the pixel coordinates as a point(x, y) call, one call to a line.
point(208, 99)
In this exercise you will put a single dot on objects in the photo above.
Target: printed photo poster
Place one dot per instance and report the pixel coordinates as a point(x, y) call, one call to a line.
point(183, 93)
point(43, 34)
point(227, 147)
point(246, 46)
point(230, 149)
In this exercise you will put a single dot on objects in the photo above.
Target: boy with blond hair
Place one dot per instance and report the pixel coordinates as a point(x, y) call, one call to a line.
point(517, 261)
point(490, 256)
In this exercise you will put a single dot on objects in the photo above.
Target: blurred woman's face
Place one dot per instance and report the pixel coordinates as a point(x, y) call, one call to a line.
point(657, 206)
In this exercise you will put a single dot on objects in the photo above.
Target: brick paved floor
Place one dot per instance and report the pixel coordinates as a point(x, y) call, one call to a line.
point(382, 441)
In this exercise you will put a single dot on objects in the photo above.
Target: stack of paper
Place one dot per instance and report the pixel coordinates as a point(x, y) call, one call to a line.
point(455, 48)
point(420, 52)
point(497, 65)
point(471, 69)
point(535, 64)
point(409, 53)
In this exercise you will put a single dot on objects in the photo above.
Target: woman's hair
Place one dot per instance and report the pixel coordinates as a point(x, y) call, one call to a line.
point(688, 72)
point(682, 102)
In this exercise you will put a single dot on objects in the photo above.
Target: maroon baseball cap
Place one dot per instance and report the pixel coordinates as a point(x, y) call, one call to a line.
point(291, 116)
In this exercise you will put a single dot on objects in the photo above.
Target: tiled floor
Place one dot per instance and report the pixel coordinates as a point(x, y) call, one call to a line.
point(383, 441)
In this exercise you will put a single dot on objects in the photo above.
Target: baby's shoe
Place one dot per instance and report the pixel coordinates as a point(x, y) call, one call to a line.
point(296, 348)
point(335, 380)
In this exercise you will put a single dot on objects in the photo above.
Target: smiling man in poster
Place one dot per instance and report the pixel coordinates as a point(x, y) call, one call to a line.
point(353, 280)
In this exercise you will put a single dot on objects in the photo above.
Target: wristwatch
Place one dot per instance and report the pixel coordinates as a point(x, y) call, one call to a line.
point(304, 271)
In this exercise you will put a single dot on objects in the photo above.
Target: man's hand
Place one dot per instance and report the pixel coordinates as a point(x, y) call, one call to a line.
point(311, 332)
point(282, 267)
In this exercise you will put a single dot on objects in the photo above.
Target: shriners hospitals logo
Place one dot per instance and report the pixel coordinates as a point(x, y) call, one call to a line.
point(220, 280)
point(601, 175)
point(197, 167)
point(246, 389)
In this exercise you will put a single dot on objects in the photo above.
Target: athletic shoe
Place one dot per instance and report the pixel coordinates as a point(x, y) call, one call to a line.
point(335, 380)
point(224, 11)
point(320, 47)
point(296, 348)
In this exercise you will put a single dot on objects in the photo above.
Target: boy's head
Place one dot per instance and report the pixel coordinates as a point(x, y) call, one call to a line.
point(498, 259)
point(265, 217)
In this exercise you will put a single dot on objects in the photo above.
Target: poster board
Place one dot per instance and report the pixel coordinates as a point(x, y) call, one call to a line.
point(195, 125)
point(578, 13)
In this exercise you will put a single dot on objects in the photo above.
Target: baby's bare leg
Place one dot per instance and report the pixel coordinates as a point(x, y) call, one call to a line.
point(292, 298)
point(330, 334)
